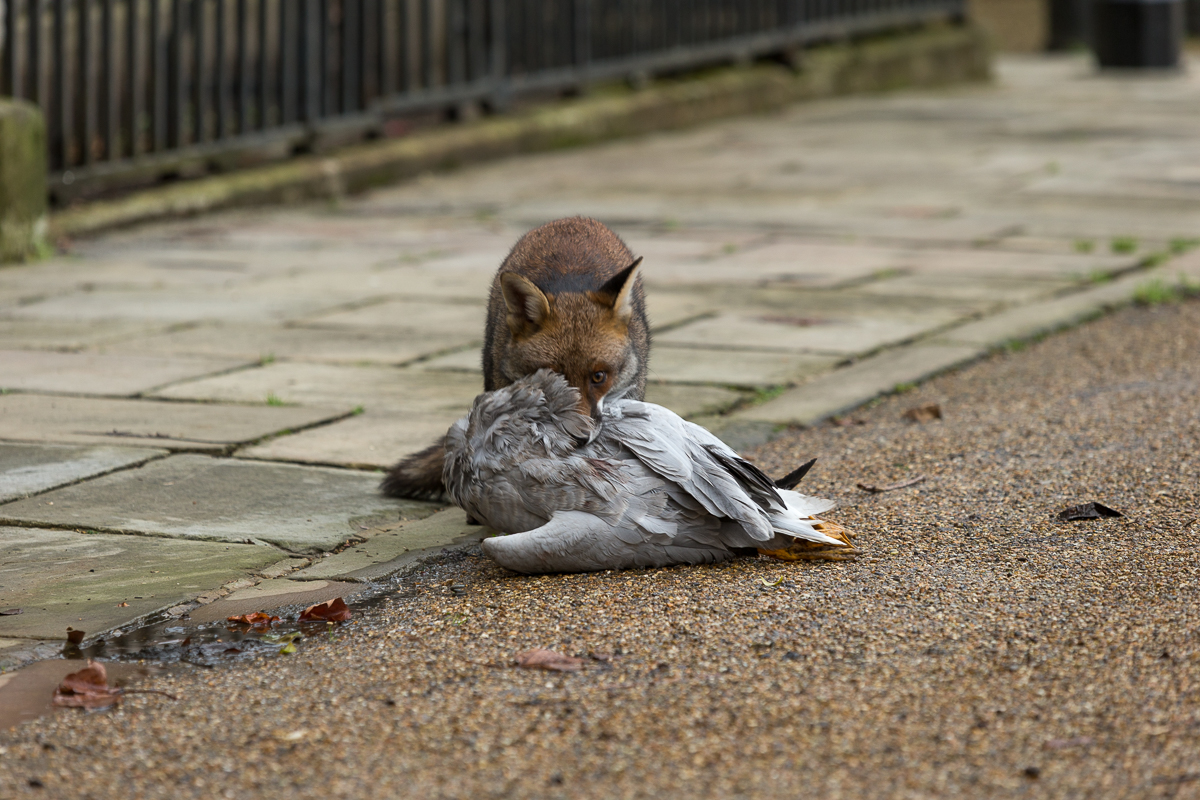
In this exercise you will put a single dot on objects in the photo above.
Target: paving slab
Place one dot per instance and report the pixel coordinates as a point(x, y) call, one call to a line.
point(375, 388)
point(734, 368)
point(64, 578)
point(812, 333)
point(390, 550)
point(296, 343)
point(200, 426)
point(27, 469)
point(851, 386)
point(301, 509)
point(990, 289)
point(692, 401)
point(33, 334)
point(243, 304)
point(371, 439)
point(96, 374)
point(1033, 319)
point(461, 319)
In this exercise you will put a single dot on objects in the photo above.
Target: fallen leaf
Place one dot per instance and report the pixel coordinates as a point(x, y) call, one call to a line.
point(287, 649)
point(891, 487)
point(334, 610)
point(10, 612)
point(775, 582)
point(259, 619)
point(1087, 511)
point(846, 422)
point(926, 413)
point(87, 688)
point(122, 605)
point(75, 637)
point(548, 659)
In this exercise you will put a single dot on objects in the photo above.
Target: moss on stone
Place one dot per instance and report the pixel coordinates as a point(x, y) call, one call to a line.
point(22, 181)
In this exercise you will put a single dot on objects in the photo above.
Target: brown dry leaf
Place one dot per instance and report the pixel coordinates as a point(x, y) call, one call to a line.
point(801, 550)
point(334, 610)
point(75, 637)
point(846, 422)
point(122, 605)
point(891, 487)
point(87, 688)
point(548, 659)
point(9, 612)
point(259, 619)
point(926, 413)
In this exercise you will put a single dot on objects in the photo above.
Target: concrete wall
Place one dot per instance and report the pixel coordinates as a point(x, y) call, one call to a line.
point(22, 180)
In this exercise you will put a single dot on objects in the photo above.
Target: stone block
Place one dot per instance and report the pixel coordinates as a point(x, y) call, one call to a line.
point(27, 469)
point(375, 388)
point(301, 509)
point(391, 550)
point(96, 374)
point(201, 426)
point(294, 343)
point(64, 578)
point(371, 439)
point(844, 389)
point(734, 367)
point(22, 180)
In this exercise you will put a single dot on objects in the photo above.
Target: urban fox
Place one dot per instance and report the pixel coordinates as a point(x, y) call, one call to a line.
point(569, 298)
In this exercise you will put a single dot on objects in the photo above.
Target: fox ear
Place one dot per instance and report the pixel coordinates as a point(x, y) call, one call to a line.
point(620, 288)
point(528, 308)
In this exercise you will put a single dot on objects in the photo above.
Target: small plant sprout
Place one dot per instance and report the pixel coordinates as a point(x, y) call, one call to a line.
point(1123, 244)
point(1084, 245)
point(274, 399)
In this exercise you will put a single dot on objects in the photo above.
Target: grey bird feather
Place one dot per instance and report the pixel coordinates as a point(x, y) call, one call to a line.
point(642, 487)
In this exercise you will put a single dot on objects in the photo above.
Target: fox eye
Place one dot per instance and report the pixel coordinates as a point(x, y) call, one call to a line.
point(599, 377)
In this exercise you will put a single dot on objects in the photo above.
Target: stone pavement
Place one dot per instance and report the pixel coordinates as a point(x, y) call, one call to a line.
point(199, 410)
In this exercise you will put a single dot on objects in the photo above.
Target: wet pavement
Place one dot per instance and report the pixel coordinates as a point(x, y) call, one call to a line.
point(233, 384)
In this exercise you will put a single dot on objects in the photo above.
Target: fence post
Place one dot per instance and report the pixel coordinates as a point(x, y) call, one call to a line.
point(22, 180)
point(499, 97)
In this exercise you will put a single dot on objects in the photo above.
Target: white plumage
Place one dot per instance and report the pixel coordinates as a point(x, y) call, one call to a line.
point(642, 488)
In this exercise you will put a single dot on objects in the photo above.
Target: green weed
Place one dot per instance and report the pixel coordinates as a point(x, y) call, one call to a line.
point(1099, 276)
point(1084, 245)
point(1180, 246)
point(274, 400)
point(269, 358)
point(901, 388)
point(1123, 244)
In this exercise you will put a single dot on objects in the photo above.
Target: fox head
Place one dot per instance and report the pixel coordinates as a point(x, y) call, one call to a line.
point(583, 336)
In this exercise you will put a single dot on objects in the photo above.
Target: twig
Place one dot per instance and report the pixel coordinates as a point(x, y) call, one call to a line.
point(867, 487)
point(167, 695)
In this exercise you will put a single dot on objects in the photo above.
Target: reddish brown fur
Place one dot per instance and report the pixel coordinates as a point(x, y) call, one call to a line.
point(556, 302)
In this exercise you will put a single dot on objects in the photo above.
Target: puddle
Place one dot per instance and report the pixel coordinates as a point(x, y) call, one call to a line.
point(207, 641)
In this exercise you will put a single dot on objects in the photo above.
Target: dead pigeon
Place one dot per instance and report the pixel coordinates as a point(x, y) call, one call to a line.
point(641, 487)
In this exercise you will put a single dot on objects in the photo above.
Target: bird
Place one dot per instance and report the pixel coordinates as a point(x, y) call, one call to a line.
point(638, 487)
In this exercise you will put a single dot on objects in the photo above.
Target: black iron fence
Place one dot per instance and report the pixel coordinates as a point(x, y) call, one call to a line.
point(135, 90)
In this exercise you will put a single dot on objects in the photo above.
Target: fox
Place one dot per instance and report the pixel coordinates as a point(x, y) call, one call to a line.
point(568, 298)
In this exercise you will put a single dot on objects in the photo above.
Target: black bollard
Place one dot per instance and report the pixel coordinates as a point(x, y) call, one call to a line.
point(1137, 33)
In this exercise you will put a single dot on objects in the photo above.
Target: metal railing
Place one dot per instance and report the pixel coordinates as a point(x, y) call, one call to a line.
point(138, 90)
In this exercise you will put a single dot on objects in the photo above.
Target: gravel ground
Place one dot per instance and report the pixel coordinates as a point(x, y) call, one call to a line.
point(978, 648)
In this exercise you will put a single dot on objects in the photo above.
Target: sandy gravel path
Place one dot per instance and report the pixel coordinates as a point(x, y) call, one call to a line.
point(978, 649)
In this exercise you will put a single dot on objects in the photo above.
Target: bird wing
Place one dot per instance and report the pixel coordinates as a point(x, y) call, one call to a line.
point(685, 454)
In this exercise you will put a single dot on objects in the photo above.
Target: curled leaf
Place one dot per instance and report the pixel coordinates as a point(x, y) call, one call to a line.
point(75, 637)
point(774, 583)
point(10, 612)
point(334, 610)
point(549, 660)
point(926, 413)
point(87, 688)
point(1087, 511)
